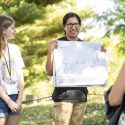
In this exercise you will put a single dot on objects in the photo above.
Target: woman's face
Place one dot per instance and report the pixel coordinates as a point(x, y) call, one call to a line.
point(10, 32)
point(72, 28)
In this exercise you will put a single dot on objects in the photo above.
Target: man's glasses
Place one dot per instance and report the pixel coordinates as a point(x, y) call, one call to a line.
point(70, 25)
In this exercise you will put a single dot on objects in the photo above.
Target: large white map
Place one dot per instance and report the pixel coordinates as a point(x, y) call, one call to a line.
point(79, 64)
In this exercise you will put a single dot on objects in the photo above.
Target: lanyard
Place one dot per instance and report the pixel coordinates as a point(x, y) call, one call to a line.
point(8, 65)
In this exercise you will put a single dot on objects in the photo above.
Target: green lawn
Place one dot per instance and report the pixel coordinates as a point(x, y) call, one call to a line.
point(41, 113)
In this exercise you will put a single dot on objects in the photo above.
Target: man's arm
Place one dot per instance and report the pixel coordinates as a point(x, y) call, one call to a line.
point(49, 62)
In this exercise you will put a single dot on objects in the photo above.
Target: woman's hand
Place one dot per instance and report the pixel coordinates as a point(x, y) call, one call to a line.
point(13, 106)
point(18, 102)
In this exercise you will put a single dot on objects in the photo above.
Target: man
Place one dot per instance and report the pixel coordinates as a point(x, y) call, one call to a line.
point(69, 102)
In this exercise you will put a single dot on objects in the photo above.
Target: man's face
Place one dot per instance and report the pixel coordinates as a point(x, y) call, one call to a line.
point(72, 28)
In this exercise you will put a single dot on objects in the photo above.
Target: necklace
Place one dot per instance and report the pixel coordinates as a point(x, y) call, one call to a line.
point(8, 65)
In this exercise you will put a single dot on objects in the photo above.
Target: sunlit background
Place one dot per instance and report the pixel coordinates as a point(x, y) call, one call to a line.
point(40, 21)
point(99, 7)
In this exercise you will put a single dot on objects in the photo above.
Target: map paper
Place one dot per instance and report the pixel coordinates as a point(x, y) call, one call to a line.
point(79, 64)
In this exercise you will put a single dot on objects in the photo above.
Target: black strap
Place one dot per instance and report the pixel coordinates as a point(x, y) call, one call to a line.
point(123, 103)
point(8, 65)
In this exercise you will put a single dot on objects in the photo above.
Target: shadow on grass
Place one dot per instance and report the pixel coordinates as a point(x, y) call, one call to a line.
point(37, 115)
point(42, 114)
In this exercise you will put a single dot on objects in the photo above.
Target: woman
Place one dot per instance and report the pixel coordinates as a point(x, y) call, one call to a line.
point(11, 74)
point(117, 93)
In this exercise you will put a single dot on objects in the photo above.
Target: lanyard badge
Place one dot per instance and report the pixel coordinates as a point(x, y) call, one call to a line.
point(9, 69)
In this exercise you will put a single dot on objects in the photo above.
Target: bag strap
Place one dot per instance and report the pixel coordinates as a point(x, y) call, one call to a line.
point(123, 104)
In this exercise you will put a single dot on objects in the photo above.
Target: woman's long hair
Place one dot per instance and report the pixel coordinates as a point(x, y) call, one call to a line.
point(5, 22)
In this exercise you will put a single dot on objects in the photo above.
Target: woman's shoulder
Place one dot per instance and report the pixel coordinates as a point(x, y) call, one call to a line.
point(13, 46)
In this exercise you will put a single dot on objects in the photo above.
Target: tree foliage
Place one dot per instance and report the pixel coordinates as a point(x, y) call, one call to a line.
point(38, 22)
point(44, 2)
point(114, 20)
point(22, 11)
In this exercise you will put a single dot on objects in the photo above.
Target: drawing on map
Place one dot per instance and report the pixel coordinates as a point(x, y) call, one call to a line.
point(79, 64)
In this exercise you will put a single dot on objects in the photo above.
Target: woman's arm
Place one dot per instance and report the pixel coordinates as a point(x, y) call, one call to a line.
point(118, 89)
point(12, 105)
point(49, 62)
point(4, 96)
point(21, 88)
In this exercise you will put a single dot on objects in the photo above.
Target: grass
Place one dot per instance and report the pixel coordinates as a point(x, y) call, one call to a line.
point(41, 113)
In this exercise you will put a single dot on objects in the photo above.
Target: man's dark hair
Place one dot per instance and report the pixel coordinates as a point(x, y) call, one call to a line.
point(69, 15)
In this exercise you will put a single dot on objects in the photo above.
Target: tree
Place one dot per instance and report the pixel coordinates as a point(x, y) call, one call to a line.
point(114, 21)
point(38, 22)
